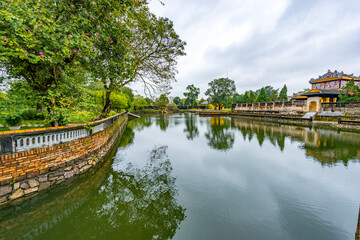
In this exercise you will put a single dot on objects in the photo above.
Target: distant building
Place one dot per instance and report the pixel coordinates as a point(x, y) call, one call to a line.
point(325, 89)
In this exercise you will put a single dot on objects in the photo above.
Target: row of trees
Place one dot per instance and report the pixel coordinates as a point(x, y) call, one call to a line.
point(65, 51)
point(222, 93)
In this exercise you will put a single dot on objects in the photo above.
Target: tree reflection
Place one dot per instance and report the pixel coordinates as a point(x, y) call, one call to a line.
point(135, 203)
point(162, 121)
point(191, 126)
point(128, 137)
point(219, 135)
point(326, 146)
point(145, 121)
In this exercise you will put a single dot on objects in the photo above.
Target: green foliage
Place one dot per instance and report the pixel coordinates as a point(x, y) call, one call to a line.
point(172, 107)
point(119, 101)
point(252, 96)
point(139, 102)
point(128, 92)
point(63, 50)
point(220, 91)
point(162, 101)
point(149, 101)
point(262, 96)
point(350, 93)
point(176, 100)
point(13, 120)
point(32, 114)
point(283, 94)
point(237, 98)
point(191, 95)
point(245, 98)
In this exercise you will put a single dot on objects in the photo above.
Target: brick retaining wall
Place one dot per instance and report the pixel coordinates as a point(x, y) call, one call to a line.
point(36, 159)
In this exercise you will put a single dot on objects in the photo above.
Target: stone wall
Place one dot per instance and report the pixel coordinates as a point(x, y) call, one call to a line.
point(352, 108)
point(36, 159)
point(276, 107)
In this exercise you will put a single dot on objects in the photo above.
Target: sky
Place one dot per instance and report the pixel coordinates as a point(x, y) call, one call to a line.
point(263, 42)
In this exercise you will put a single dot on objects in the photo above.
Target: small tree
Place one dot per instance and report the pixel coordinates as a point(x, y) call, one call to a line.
point(176, 100)
point(350, 93)
point(283, 94)
point(192, 95)
point(220, 91)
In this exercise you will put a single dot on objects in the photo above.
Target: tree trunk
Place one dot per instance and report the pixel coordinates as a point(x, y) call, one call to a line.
point(54, 122)
point(107, 105)
point(39, 107)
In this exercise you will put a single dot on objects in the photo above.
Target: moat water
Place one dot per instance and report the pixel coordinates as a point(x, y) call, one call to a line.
point(187, 177)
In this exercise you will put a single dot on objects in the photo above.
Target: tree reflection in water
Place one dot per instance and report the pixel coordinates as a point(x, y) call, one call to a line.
point(191, 126)
point(133, 203)
point(326, 146)
point(141, 200)
point(162, 121)
point(219, 135)
point(145, 121)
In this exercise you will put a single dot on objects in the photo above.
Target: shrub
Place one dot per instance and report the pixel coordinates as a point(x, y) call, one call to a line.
point(13, 120)
point(112, 113)
point(32, 114)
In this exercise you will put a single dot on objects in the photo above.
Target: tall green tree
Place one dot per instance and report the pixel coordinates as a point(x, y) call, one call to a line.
point(350, 93)
point(162, 101)
point(156, 49)
point(42, 40)
point(246, 98)
point(283, 94)
point(220, 90)
point(262, 96)
point(252, 96)
point(237, 98)
point(192, 94)
point(148, 55)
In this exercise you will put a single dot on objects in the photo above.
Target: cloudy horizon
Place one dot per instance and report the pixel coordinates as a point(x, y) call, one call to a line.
point(259, 42)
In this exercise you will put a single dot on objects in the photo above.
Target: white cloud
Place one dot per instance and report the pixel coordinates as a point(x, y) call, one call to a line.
point(263, 42)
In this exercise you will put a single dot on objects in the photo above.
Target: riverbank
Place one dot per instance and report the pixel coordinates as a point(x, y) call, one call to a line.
point(344, 124)
point(39, 159)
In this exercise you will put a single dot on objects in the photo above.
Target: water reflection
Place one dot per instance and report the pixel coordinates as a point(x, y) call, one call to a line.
point(163, 121)
point(191, 128)
point(326, 146)
point(124, 203)
point(219, 134)
point(133, 203)
point(137, 203)
point(145, 121)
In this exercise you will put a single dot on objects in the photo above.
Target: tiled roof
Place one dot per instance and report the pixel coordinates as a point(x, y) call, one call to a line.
point(315, 92)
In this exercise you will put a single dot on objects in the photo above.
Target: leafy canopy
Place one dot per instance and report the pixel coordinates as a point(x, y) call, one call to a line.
point(350, 93)
point(192, 94)
point(220, 91)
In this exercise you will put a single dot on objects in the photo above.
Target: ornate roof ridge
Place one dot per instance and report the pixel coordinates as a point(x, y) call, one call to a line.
point(331, 74)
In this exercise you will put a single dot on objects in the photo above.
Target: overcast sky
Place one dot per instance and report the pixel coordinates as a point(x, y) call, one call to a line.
point(263, 42)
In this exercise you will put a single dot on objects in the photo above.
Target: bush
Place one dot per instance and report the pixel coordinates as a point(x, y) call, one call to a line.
point(112, 113)
point(172, 107)
point(13, 120)
point(32, 114)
